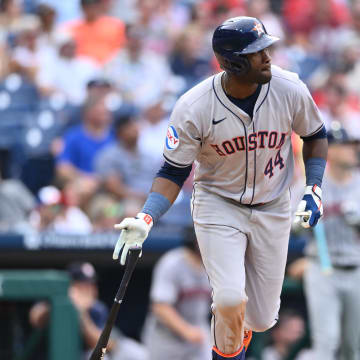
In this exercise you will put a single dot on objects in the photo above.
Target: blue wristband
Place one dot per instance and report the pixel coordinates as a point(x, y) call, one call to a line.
point(156, 205)
point(314, 170)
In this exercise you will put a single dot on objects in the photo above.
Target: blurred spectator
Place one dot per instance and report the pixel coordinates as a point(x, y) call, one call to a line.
point(96, 35)
point(95, 88)
point(178, 324)
point(58, 212)
point(154, 125)
point(171, 17)
point(313, 29)
point(337, 108)
point(187, 58)
point(105, 211)
point(351, 60)
point(333, 299)
point(25, 57)
point(355, 17)
point(47, 17)
point(261, 9)
point(93, 313)
point(82, 142)
point(304, 16)
point(210, 14)
point(289, 329)
point(66, 10)
point(16, 204)
point(12, 19)
point(98, 87)
point(83, 293)
point(53, 75)
point(141, 76)
point(157, 29)
point(124, 10)
point(125, 172)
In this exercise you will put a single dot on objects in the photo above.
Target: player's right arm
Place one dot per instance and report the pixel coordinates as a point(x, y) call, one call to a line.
point(167, 188)
point(181, 148)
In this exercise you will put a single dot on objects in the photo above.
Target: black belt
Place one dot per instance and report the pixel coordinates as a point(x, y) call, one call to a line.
point(253, 205)
point(346, 267)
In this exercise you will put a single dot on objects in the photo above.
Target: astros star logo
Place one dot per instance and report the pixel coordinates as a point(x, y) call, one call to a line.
point(258, 28)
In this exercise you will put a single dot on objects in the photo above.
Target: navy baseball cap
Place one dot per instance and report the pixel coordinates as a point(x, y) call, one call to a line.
point(338, 135)
point(100, 82)
point(82, 271)
point(89, 2)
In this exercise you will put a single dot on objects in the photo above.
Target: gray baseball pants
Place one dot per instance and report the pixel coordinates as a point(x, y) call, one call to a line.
point(244, 251)
point(334, 309)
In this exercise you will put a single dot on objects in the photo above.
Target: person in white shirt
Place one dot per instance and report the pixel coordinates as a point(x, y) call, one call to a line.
point(64, 73)
point(142, 76)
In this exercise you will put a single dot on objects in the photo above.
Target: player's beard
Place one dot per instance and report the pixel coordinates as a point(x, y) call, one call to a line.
point(259, 77)
point(255, 76)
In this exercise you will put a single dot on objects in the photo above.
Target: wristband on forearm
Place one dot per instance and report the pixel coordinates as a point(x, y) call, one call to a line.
point(156, 205)
point(314, 170)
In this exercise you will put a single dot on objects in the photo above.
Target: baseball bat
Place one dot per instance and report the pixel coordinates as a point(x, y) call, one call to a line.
point(100, 348)
point(323, 252)
point(321, 244)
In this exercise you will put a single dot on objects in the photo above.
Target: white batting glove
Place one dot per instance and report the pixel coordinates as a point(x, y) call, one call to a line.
point(310, 208)
point(134, 232)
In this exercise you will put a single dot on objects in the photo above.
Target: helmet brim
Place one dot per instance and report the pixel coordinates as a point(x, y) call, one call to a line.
point(258, 45)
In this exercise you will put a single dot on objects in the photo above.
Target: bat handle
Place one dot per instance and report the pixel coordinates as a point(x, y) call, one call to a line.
point(131, 261)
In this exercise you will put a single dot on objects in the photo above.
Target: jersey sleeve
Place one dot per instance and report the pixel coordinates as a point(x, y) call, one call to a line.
point(307, 118)
point(164, 288)
point(183, 137)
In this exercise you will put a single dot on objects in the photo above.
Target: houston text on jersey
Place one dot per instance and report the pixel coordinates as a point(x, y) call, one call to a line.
point(257, 140)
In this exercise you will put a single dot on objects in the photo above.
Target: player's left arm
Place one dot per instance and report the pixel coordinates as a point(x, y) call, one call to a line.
point(307, 123)
point(310, 208)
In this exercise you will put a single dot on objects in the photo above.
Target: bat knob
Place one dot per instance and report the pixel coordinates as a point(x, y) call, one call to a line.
point(103, 352)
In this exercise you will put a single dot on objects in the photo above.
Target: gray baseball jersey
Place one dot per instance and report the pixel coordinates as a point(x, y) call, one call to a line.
point(187, 289)
point(247, 160)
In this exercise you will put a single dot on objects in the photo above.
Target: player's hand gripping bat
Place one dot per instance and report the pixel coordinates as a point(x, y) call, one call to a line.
point(308, 214)
point(100, 348)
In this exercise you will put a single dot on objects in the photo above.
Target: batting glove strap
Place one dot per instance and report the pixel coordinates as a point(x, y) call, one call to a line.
point(147, 218)
point(310, 208)
point(134, 231)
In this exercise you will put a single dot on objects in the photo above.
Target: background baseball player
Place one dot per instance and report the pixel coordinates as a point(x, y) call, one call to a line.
point(178, 325)
point(333, 299)
point(236, 127)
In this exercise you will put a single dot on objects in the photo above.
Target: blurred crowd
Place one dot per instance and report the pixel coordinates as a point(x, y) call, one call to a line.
point(86, 91)
point(87, 87)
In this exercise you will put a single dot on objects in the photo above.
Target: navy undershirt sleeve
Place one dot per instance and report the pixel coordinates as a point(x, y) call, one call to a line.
point(321, 134)
point(174, 174)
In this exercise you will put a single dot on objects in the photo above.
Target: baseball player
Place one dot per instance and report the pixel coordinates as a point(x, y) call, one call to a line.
point(333, 299)
point(178, 328)
point(236, 127)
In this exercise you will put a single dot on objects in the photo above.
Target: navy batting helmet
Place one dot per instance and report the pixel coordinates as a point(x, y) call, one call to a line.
point(237, 37)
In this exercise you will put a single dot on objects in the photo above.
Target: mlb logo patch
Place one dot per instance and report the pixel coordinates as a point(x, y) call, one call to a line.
point(172, 138)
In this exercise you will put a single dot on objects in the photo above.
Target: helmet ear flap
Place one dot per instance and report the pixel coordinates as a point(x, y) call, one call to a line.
point(240, 67)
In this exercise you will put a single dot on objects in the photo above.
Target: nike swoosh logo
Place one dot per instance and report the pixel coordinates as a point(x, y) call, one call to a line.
point(218, 121)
